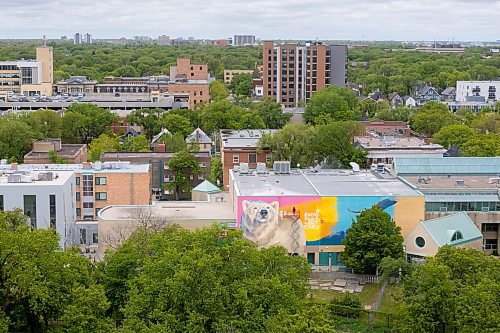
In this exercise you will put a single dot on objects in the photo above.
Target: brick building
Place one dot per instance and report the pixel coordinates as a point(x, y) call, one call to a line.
point(71, 153)
point(241, 147)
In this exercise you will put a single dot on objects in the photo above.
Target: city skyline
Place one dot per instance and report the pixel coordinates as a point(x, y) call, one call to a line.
point(322, 19)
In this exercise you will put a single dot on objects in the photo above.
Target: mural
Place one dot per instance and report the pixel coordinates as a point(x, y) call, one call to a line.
point(295, 222)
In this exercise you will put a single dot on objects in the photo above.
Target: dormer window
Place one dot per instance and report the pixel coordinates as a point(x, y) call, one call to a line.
point(457, 235)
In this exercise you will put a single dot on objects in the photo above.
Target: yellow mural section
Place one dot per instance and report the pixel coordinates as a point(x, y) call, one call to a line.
point(408, 212)
point(318, 216)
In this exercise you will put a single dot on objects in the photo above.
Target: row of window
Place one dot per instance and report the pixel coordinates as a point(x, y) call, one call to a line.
point(252, 158)
point(86, 217)
point(98, 196)
point(29, 205)
point(83, 237)
point(8, 68)
point(98, 180)
point(462, 206)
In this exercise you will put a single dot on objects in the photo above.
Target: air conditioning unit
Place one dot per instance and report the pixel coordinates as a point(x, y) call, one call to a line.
point(244, 168)
point(261, 168)
point(281, 167)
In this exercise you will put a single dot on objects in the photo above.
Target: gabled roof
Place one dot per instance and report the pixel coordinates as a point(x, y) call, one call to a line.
point(376, 96)
point(448, 91)
point(423, 90)
point(405, 98)
point(452, 229)
point(159, 135)
point(206, 187)
point(198, 136)
point(393, 95)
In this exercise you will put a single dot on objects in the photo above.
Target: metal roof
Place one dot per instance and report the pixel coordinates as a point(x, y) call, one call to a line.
point(446, 165)
point(443, 228)
point(206, 187)
point(461, 197)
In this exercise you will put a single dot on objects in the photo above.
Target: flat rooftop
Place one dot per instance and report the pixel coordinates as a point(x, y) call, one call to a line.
point(322, 183)
point(117, 156)
point(446, 165)
point(104, 167)
point(391, 142)
point(444, 182)
point(30, 178)
point(244, 138)
point(69, 150)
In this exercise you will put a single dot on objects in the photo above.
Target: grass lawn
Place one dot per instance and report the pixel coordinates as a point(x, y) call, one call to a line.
point(393, 292)
point(367, 296)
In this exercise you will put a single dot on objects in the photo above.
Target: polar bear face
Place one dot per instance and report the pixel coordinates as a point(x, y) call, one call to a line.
point(258, 212)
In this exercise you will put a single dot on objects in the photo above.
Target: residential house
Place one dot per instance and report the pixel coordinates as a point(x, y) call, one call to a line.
point(386, 128)
point(449, 94)
point(426, 93)
point(199, 141)
point(157, 143)
point(395, 100)
point(409, 101)
point(377, 96)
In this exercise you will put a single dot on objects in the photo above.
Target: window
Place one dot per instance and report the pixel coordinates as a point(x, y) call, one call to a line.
point(191, 176)
point(236, 159)
point(485, 227)
point(165, 166)
point(457, 235)
point(420, 241)
point(52, 210)
point(491, 244)
point(100, 181)
point(203, 164)
point(201, 176)
point(88, 185)
point(268, 158)
point(83, 236)
point(101, 196)
point(252, 158)
point(95, 238)
point(77, 196)
point(1, 203)
point(78, 212)
point(97, 211)
point(201, 93)
point(77, 180)
point(201, 68)
point(30, 209)
point(88, 205)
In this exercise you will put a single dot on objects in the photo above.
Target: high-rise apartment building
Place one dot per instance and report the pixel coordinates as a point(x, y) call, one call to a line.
point(78, 38)
point(163, 40)
point(244, 40)
point(293, 72)
point(87, 38)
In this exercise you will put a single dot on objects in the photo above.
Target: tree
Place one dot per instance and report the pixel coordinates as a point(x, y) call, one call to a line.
point(241, 85)
point(216, 172)
point(135, 143)
point(39, 283)
point(372, 237)
point(83, 122)
point(250, 120)
point(309, 318)
point(346, 305)
point(431, 118)
point(291, 143)
point(15, 139)
point(339, 103)
point(44, 123)
point(56, 159)
point(103, 144)
point(182, 165)
point(399, 113)
point(370, 108)
point(487, 122)
point(208, 280)
point(456, 291)
point(148, 119)
point(218, 91)
point(177, 124)
point(482, 145)
point(271, 113)
point(453, 135)
point(174, 143)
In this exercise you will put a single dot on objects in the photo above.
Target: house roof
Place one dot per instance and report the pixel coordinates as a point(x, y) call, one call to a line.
point(376, 96)
point(447, 165)
point(452, 229)
point(198, 136)
point(425, 89)
point(448, 91)
point(405, 98)
point(159, 135)
point(392, 96)
point(206, 187)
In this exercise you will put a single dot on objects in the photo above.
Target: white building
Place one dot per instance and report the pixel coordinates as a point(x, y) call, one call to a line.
point(47, 197)
point(478, 91)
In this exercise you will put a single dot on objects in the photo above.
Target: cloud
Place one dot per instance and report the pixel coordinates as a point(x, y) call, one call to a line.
point(268, 19)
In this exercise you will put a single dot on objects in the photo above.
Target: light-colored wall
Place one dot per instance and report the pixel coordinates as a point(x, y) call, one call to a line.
point(230, 74)
point(45, 56)
point(408, 212)
point(201, 89)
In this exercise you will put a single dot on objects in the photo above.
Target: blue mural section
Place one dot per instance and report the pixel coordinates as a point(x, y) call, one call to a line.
point(347, 210)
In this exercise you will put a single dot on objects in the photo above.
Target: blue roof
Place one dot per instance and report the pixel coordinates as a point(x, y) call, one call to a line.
point(443, 229)
point(446, 165)
point(206, 187)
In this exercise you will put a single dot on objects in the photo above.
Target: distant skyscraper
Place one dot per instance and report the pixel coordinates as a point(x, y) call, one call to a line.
point(88, 38)
point(78, 38)
point(163, 40)
point(244, 40)
point(293, 73)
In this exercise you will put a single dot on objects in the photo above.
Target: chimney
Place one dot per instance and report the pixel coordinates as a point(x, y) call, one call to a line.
point(14, 165)
point(162, 148)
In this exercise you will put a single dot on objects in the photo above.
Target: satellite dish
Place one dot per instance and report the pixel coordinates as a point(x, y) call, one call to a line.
point(355, 166)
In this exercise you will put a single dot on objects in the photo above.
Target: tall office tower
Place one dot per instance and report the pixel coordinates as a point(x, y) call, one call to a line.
point(293, 72)
point(78, 38)
point(244, 40)
point(163, 40)
point(88, 38)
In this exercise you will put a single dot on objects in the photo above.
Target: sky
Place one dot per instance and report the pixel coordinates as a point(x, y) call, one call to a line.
point(460, 20)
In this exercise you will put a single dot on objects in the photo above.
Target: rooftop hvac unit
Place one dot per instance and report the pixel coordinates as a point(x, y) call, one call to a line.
point(460, 182)
point(281, 167)
point(98, 166)
point(14, 178)
point(261, 168)
point(244, 168)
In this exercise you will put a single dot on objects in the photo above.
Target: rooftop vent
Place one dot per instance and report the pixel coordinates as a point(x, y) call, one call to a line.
point(244, 168)
point(261, 168)
point(460, 182)
point(281, 167)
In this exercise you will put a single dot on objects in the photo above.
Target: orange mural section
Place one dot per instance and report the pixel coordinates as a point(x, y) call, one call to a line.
point(409, 212)
point(319, 216)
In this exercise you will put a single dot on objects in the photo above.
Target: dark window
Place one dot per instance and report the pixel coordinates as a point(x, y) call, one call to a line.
point(489, 227)
point(491, 244)
point(88, 185)
point(78, 212)
point(83, 236)
point(100, 181)
point(30, 209)
point(95, 238)
point(88, 205)
point(252, 158)
point(1, 203)
point(77, 180)
point(52, 211)
point(420, 242)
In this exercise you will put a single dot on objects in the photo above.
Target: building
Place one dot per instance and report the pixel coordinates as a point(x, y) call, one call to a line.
point(243, 40)
point(229, 74)
point(386, 128)
point(377, 96)
point(78, 39)
point(293, 73)
point(478, 91)
point(46, 197)
point(458, 184)
point(29, 77)
point(440, 49)
point(87, 39)
point(449, 94)
point(409, 101)
point(470, 105)
point(426, 93)
point(383, 149)
point(395, 100)
point(163, 40)
point(199, 141)
point(70, 153)
point(185, 69)
point(160, 173)
point(258, 88)
point(241, 147)
point(429, 236)
point(313, 210)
